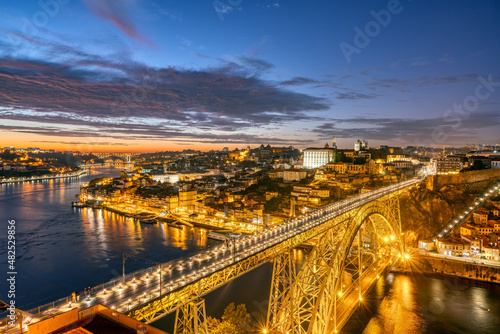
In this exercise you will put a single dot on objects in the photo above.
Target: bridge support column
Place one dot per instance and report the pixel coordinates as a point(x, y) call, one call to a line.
point(360, 260)
point(280, 315)
point(191, 318)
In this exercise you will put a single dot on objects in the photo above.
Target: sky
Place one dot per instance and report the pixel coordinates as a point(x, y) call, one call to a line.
point(146, 76)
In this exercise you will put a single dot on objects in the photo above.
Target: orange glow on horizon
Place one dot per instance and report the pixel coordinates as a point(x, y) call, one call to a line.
point(104, 145)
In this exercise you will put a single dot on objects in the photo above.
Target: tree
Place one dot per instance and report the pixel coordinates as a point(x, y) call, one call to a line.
point(98, 180)
point(235, 320)
point(273, 204)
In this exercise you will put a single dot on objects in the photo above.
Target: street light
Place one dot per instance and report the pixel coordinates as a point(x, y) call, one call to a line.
point(158, 265)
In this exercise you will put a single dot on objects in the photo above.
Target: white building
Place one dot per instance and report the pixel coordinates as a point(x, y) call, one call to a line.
point(317, 157)
point(360, 145)
point(495, 163)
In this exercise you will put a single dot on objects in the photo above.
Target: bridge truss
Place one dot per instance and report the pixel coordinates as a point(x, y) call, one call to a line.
point(344, 256)
point(304, 301)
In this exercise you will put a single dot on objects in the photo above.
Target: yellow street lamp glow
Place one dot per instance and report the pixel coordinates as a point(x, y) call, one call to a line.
point(385, 239)
point(392, 237)
point(407, 256)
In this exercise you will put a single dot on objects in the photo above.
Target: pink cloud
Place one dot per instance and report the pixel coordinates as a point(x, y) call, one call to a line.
point(115, 12)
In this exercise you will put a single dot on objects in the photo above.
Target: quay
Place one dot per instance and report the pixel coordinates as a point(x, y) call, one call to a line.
point(43, 177)
point(434, 264)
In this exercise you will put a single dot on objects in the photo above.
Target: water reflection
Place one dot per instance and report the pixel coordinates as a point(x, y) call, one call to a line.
point(61, 248)
point(423, 304)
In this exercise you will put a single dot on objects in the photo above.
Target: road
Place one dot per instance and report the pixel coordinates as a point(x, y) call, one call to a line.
point(483, 262)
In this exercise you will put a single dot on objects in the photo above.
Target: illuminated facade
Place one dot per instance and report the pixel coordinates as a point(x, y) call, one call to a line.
point(317, 157)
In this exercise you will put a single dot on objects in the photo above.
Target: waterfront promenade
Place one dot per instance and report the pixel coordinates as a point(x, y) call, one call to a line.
point(43, 177)
point(433, 263)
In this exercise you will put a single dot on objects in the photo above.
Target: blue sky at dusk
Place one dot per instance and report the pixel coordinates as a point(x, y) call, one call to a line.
point(138, 75)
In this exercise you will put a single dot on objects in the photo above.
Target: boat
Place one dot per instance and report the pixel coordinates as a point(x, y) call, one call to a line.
point(175, 224)
point(79, 204)
point(147, 220)
point(217, 236)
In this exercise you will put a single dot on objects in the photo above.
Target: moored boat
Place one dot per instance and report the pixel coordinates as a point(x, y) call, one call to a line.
point(147, 220)
point(217, 236)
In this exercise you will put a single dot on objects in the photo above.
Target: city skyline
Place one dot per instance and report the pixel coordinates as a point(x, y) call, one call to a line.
point(133, 76)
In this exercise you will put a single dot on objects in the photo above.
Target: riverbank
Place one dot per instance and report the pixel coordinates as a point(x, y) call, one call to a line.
point(43, 177)
point(181, 222)
point(426, 264)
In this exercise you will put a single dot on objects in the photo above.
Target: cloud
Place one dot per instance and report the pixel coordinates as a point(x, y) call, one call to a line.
point(115, 12)
point(258, 64)
point(422, 81)
point(354, 96)
point(411, 131)
point(298, 81)
point(124, 99)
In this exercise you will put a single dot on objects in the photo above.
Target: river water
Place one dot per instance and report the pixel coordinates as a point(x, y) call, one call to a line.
point(60, 249)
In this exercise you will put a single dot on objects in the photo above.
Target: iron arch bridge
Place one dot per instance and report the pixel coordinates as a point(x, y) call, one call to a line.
point(353, 241)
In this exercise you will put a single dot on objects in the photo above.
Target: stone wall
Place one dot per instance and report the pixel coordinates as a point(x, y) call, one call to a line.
point(435, 182)
point(434, 265)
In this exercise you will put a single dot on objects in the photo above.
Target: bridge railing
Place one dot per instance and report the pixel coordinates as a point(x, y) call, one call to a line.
point(61, 303)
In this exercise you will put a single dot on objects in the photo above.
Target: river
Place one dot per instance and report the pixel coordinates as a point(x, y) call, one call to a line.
point(60, 249)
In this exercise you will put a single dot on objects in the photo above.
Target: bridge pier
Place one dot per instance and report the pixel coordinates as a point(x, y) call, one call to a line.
point(282, 288)
point(191, 318)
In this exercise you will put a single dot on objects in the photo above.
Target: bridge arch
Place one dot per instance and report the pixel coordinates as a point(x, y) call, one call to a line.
point(309, 304)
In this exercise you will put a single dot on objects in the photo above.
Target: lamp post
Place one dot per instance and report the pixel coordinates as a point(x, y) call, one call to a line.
point(158, 265)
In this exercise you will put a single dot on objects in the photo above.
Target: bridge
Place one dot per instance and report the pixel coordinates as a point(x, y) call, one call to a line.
point(353, 241)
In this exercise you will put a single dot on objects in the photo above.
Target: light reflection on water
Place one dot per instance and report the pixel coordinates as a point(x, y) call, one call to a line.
point(423, 304)
point(61, 249)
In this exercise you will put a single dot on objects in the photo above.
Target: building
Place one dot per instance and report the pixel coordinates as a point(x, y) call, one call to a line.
point(451, 164)
point(490, 252)
point(360, 145)
point(323, 193)
point(495, 163)
point(480, 216)
point(337, 167)
point(495, 224)
point(293, 174)
point(468, 231)
point(317, 157)
point(485, 229)
point(426, 245)
point(187, 199)
point(275, 174)
point(452, 246)
point(95, 319)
